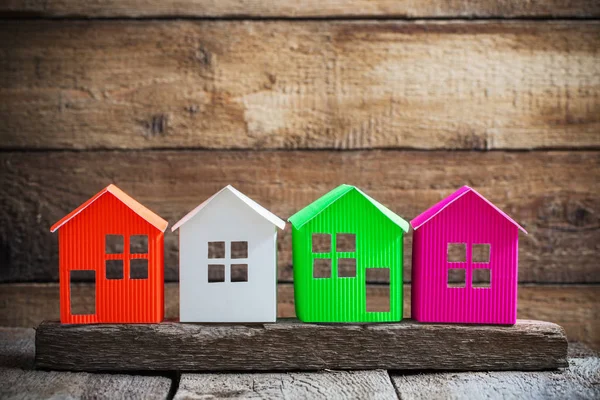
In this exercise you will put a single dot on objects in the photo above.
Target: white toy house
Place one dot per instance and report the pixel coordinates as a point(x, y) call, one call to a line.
point(228, 260)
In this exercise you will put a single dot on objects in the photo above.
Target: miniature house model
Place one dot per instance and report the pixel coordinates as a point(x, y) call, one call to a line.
point(465, 262)
point(228, 260)
point(339, 242)
point(115, 242)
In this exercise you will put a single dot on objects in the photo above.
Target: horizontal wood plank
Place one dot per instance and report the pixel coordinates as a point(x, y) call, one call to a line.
point(374, 384)
point(580, 380)
point(298, 85)
point(553, 194)
point(19, 381)
point(290, 345)
point(301, 9)
point(576, 308)
point(17, 348)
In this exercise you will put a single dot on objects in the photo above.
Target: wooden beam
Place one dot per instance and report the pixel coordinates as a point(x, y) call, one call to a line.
point(292, 345)
point(20, 381)
point(307, 84)
point(553, 194)
point(303, 9)
point(574, 307)
point(291, 385)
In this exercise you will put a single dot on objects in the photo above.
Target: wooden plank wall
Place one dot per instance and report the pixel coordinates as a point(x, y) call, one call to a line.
point(407, 99)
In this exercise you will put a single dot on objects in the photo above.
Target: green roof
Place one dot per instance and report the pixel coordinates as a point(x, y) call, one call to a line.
point(316, 207)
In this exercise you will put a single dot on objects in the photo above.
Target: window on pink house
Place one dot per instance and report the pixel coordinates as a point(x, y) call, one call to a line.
point(482, 278)
point(457, 252)
point(456, 278)
point(480, 253)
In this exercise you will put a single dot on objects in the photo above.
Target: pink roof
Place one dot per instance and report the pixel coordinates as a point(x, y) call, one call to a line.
point(424, 217)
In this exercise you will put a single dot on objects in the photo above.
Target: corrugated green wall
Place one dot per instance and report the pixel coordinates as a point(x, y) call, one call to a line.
point(379, 244)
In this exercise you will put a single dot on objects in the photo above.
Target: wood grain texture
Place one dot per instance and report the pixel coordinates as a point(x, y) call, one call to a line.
point(17, 348)
point(292, 9)
point(297, 85)
point(19, 381)
point(581, 380)
point(576, 308)
point(292, 385)
point(27, 384)
point(290, 345)
point(553, 194)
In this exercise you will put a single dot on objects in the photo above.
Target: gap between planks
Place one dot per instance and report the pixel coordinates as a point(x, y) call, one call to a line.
point(287, 9)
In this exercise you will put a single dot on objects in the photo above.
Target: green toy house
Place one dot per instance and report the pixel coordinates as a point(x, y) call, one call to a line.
point(339, 242)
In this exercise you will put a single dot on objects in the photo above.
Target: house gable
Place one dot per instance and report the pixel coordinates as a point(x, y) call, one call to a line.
point(308, 213)
point(241, 200)
point(225, 215)
point(132, 204)
point(454, 198)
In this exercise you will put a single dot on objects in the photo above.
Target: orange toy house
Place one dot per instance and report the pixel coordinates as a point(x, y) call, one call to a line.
point(118, 243)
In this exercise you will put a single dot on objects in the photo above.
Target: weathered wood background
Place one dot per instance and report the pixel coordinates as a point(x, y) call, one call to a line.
point(406, 99)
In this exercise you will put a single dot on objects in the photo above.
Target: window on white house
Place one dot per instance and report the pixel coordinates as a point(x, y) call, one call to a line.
point(238, 269)
point(239, 272)
point(216, 273)
point(216, 249)
point(239, 250)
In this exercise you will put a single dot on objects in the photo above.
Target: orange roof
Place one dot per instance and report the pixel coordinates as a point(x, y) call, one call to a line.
point(136, 207)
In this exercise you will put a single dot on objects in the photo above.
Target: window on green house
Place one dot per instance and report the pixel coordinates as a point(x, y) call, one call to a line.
point(345, 242)
point(322, 268)
point(346, 263)
point(321, 243)
point(347, 267)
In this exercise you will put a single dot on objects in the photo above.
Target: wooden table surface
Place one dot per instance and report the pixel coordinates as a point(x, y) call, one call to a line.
point(19, 380)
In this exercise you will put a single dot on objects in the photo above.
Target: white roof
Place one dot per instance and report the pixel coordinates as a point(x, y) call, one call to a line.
point(260, 210)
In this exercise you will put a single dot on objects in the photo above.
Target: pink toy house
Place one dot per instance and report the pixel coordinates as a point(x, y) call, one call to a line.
point(465, 262)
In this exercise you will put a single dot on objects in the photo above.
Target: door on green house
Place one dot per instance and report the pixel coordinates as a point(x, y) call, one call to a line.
point(378, 296)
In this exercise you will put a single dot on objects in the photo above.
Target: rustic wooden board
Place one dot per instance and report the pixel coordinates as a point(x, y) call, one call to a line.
point(581, 380)
point(553, 194)
point(20, 382)
point(295, 9)
point(302, 84)
point(17, 348)
point(289, 345)
point(576, 308)
point(292, 385)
